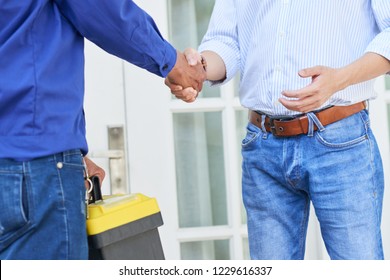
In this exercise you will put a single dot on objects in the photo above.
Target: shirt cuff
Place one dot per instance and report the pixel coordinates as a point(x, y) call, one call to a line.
point(229, 55)
point(380, 44)
point(169, 60)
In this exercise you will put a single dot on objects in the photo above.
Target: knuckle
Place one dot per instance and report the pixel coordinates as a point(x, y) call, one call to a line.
point(316, 89)
point(300, 107)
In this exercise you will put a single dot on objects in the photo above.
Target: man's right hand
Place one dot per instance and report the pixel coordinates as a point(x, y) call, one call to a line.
point(186, 75)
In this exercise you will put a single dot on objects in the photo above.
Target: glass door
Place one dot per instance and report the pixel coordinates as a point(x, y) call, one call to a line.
point(207, 133)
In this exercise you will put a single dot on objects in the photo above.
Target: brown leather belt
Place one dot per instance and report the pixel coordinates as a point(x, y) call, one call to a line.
point(285, 127)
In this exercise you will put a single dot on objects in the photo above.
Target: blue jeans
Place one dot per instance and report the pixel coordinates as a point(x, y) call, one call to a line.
point(42, 208)
point(338, 169)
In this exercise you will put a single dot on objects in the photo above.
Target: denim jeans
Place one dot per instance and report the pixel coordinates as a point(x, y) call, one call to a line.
point(338, 169)
point(42, 208)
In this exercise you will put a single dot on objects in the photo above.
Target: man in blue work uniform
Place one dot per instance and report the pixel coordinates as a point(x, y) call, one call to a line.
point(42, 126)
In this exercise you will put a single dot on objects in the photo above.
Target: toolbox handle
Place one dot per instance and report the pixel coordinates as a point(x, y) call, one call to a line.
point(96, 193)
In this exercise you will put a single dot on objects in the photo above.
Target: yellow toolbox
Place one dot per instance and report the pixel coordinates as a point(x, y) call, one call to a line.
point(124, 227)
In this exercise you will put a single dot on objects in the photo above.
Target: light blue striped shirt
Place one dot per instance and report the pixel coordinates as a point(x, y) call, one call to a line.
point(269, 41)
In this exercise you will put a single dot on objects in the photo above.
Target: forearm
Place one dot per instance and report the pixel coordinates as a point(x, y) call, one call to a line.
point(369, 66)
point(216, 69)
point(326, 81)
point(123, 29)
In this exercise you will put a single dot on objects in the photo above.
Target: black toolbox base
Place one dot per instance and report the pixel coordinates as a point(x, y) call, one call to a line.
point(138, 240)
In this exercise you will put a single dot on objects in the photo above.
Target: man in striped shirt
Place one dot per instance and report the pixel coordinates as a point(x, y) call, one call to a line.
point(307, 70)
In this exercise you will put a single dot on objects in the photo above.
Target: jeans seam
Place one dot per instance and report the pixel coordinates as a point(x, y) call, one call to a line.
point(30, 194)
point(292, 183)
point(64, 210)
point(302, 239)
point(365, 120)
point(342, 145)
point(374, 182)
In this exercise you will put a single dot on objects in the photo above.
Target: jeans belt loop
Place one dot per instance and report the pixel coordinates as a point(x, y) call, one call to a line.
point(272, 125)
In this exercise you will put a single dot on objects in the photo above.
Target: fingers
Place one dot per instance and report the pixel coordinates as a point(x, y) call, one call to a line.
point(304, 100)
point(301, 93)
point(187, 75)
point(311, 72)
point(188, 94)
point(323, 85)
point(186, 79)
point(173, 87)
point(94, 170)
point(302, 105)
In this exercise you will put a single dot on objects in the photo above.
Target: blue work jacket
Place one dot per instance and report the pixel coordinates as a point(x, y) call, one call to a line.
point(42, 66)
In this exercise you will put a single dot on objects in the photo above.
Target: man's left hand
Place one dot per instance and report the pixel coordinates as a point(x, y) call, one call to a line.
point(93, 170)
point(325, 81)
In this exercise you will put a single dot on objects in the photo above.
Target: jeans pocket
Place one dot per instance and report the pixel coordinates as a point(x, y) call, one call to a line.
point(252, 133)
point(73, 159)
point(345, 133)
point(14, 216)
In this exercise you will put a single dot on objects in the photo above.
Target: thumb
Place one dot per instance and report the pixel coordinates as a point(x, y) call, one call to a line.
point(310, 72)
point(192, 56)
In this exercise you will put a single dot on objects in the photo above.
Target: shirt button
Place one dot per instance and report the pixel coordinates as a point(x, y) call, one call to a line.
point(165, 67)
point(60, 165)
point(281, 34)
point(286, 1)
point(278, 68)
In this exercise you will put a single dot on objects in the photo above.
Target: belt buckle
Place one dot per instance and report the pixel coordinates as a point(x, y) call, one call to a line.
point(276, 131)
point(272, 125)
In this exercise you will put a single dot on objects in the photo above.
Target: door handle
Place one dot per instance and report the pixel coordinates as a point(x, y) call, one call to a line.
point(117, 159)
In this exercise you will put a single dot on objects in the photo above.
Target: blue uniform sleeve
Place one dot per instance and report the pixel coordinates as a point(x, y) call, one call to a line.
point(123, 29)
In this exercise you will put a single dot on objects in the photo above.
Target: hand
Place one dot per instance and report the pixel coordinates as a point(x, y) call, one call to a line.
point(181, 90)
point(94, 170)
point(325, 82)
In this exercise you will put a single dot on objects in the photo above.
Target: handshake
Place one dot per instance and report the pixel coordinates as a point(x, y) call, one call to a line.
point(187, 76)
